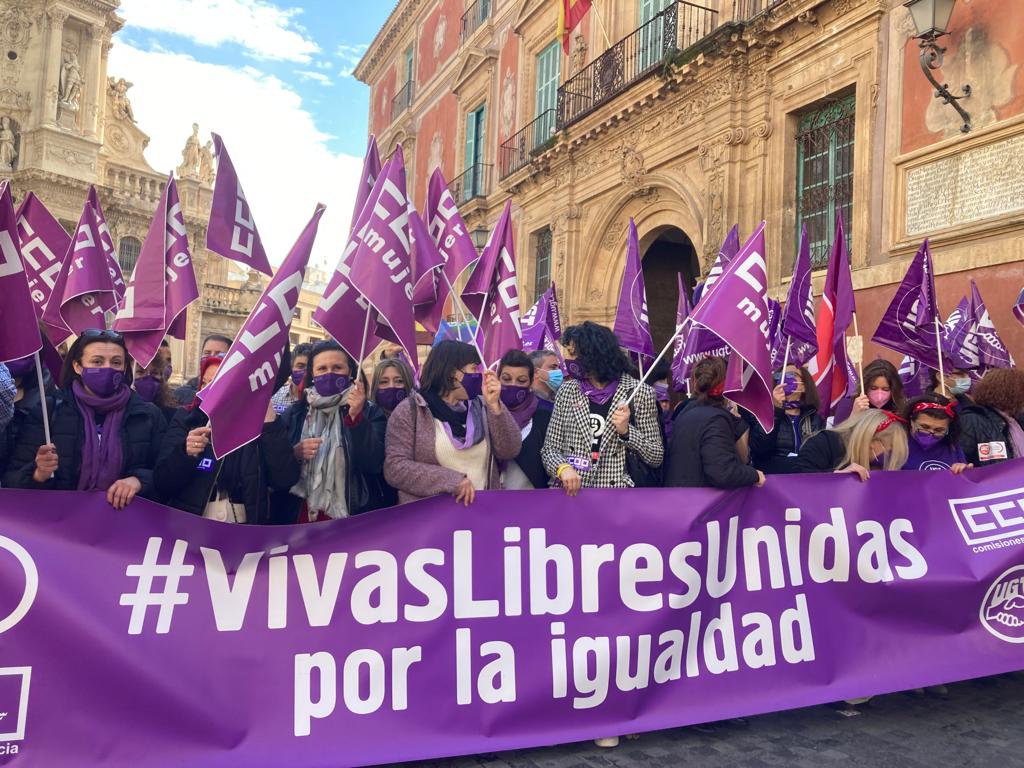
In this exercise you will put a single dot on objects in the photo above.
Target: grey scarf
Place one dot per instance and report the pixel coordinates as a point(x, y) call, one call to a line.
point(323, 479)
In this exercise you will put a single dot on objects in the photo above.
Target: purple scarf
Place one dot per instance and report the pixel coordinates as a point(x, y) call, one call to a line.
point(523, 412)
point(599, 395)
point(102, 458)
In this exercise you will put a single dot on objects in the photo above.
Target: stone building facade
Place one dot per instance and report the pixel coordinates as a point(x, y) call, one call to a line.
point(66, 123)
point(690, 117)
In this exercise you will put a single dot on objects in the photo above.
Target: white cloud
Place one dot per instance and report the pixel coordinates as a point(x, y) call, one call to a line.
point(264, 30)
point(282, 158)
point(350, 56)
point(318, 77)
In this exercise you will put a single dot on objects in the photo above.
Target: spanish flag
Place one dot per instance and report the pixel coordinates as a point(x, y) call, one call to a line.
point(570, 13)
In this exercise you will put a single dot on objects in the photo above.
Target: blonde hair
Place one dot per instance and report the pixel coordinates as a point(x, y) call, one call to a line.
point(860, 430)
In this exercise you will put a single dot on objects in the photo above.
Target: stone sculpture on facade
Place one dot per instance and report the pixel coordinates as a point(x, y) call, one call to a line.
point(119, 98)
point(70, 81)
point(189, 168)
point(579, 53)
point(206, 163)
point(8, 149)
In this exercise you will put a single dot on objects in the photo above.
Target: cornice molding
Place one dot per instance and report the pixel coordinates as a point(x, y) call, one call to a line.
point(378, 51)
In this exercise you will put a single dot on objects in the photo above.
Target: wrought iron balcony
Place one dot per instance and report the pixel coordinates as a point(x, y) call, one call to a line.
point(519, 149)
point(633, 58)
point(474, 17)
point(472, 183)
point(402, 100)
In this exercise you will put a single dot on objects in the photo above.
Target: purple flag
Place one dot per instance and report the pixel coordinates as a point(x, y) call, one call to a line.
point(427, 265)
point(737, 312)
point(237, 398)
point(683, 310)
point(107, 244)
point(381, 265)
point(799, 330)
point(232, 229)
point(449, 231)
point(959, 338)
point(371, 170)
point(632, 325)
point(44, 244)
point(162, 285)
point(833, 374)
point(19, 328)
point(908, 325)
point(992, 352)
point(542, 324)
point(1018, 307)
point(492, 293)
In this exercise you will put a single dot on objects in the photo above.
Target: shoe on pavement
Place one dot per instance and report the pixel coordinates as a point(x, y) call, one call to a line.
point(608, 742)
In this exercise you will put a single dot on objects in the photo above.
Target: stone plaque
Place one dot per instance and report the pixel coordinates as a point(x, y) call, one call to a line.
point(980, 183)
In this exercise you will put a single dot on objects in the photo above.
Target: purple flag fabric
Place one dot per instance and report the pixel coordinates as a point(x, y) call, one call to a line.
point(427, 265)
point(107, 244)
point(453, 240)
point(542, 324)
point(908, 325)
point(798, 329)
point(44, 244)
point(19, 328)
point(737, 312)
point(683, 310)
point(632, 325)
point(1018, 307)
point(371, 170)
point(833, 373)
point(492, 293)
point(381, 265)
point(237, 398)
point(992, 352)
point(959, 338)
point(162, 285)
point(232, 229)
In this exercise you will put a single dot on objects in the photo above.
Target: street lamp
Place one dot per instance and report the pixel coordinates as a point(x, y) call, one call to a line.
point(479, 237)
point(931, 17)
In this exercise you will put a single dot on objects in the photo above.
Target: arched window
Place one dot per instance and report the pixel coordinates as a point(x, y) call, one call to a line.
point(128, 253)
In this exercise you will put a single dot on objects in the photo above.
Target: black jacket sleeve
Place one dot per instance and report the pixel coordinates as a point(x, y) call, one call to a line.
point(143, 467)
point(21, 463)
point(280, 465)
point(720, 462)
point(174, 468)
point(818, 454)
point(368, 441)
point(762, 444)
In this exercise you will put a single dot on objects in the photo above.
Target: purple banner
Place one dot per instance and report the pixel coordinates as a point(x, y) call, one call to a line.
point(424, 631)
point(232, 230)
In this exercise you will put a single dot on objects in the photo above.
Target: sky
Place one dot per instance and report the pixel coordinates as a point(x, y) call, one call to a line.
point(274, 79)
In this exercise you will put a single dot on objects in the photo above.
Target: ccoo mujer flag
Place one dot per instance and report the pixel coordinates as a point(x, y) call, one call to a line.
point(44, 244)
point(232, 230)
point(19, 331)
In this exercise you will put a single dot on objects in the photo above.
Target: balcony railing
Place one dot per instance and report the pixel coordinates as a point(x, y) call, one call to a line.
point(633, 58)
point(472, 183)
point(520, 148)
point(402, 100)
point(474, 17)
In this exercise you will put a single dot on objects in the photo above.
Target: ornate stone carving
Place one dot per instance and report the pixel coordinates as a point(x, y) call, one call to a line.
point(15, 31)
point(206, 163)
point(70, 155)
point(578, 58)
point(8, 144)
point(508, 103)
point(70, 81)
point(118, 92)
point(762, 131)
point(15, 100)
point(716, 208)
point(632, 166)
point(439, 34)
point(189, 168)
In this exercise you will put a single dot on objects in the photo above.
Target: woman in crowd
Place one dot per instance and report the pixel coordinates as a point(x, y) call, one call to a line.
point(871, 439)
point(393, 382)
point(883, 390)
point(151, 384)
point(105, 437)
point(338, 436)
point(235, 489)
point(934, 431)
point(703, 451)
point(516, 374)
point(796, 419)
point(8, 391)
point(24, 404)
point(288, 394)
point(592, 429)
point(449, 437)
point(989, 429)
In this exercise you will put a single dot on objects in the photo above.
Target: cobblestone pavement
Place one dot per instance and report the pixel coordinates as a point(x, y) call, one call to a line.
point(977, 724)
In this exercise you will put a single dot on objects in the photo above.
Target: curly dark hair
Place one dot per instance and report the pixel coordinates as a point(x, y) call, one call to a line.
point(932, 398)
point(449, 356)
point(707, 374)
point(1002, 389)
point(888, 371)
point(597, 351)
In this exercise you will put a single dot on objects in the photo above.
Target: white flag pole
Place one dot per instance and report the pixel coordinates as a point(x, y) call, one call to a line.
point(42, 399)
point(938, 349)
point(664, 351)
point(464, 312)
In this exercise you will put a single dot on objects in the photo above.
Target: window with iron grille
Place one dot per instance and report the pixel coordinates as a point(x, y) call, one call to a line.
point(128, 253)
point(824, 179)
point(541, 261)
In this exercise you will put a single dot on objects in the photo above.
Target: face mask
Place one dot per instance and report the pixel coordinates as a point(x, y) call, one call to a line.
point(330, 384)
point(574, 370)
point(102, 381)
point(473, 383)
point(298, 376)
point(661, 393)
point(926, 441)
point(388, 399)
point(21, 368)
point(146, 387)
point(168, 370)
point(961, 385)
point(879, 397)
point(513, 395)
point(555, 379)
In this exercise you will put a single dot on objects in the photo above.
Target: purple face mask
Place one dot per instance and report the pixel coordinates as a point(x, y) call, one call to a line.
point(103, 382)
point(298, 376)
point(168, 370)
point(661, 393)
point(513, 395)
point(388, 399)
point(574, 370)
point(330, 384)
point(789, 383)
point(473, 383)
point(926, 441)
point(21, 368)
point(146, 387)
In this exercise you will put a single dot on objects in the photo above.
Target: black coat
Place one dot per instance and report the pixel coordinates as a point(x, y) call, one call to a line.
point(364, 461)
point(769, 451)
point(823, 452)
point(529, 459)
point(981, 424)
point(23, 413)
point(702, 450)
point(142, 431)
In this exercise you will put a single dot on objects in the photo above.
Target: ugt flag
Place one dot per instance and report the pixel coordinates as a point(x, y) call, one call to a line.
point(542, 324)
point(449, 231)
point(798, 331)
point(632, 325)
point(992, 352)
point(162, 285)
point(492, 293)
point(232, 230)
point(44, 244)
point(737, 312)
point(831, 369)
point(107, 244)
point(19, 330)
point(911, 322)
point(237, 398)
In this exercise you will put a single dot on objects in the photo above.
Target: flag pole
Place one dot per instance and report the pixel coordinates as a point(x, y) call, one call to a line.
point(600, 23)
point(860, 359)
point(671, 342)
point(42, 399)
point(465, 315)
point(366, 332)
point(938, 349)
point(785, 358)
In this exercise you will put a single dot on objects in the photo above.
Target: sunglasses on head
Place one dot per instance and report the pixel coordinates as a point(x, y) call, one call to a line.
point(99, 333)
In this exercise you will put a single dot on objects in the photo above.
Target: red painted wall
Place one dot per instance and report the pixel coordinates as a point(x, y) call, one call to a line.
point(382, 95)
point(439, 39)
point(436, 144)
point(507, 114)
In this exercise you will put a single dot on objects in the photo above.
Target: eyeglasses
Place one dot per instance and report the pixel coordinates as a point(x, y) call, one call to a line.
point(101, 333)
point(937, 432)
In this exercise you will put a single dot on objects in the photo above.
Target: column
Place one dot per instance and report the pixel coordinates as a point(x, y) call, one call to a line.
point(51, 65)
point(92, 68)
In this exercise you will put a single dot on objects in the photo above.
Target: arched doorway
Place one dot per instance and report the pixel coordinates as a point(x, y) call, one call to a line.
point(667, 252)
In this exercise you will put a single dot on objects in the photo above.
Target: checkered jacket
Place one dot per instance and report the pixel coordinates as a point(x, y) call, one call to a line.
point(569, 434)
